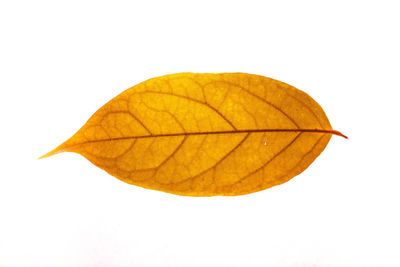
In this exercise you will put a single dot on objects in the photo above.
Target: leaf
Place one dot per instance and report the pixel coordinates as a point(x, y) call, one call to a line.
point(205, 134)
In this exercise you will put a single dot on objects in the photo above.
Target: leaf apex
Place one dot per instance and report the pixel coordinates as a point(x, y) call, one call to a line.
point(57, 150)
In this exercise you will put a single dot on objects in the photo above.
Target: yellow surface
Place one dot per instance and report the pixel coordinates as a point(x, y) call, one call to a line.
point(205, 134)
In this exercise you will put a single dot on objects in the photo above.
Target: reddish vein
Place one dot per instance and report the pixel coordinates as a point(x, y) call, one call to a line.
point(226, 132)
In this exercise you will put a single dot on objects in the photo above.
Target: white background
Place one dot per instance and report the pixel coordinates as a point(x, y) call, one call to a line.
point(62, 60)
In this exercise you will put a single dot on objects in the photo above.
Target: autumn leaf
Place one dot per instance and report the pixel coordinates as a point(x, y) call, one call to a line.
point(205, 134)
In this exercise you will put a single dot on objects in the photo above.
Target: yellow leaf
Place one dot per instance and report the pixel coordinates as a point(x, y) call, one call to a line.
point(205, 134)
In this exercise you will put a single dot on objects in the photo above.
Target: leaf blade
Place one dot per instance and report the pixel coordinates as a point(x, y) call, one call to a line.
point(202, 134)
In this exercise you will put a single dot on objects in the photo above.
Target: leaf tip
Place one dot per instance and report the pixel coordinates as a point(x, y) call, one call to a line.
point(52, 152)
